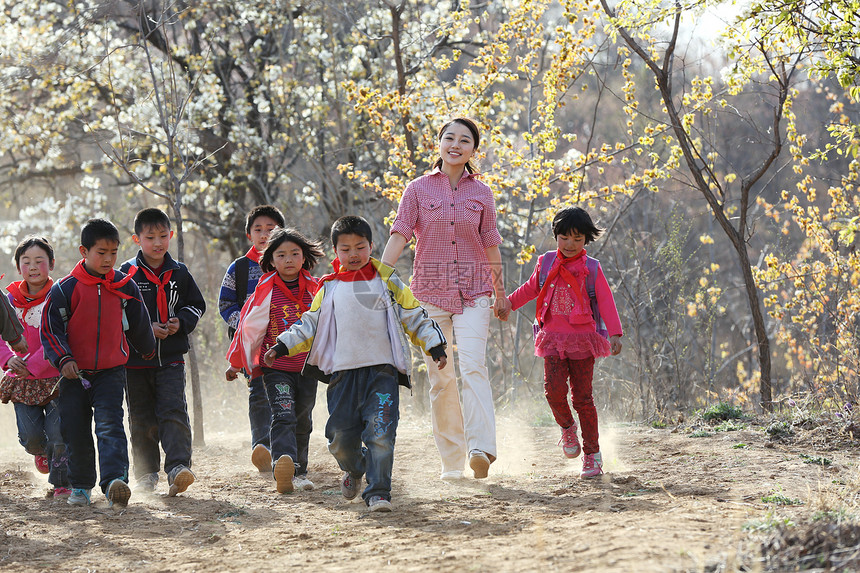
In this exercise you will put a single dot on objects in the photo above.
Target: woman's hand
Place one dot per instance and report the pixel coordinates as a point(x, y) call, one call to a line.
point(502, 308)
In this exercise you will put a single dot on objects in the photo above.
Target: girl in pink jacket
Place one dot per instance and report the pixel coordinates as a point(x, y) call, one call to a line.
point(29, 380)
point(575, 321)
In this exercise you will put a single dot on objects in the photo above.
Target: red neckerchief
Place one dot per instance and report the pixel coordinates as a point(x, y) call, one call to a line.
point(161, 295)
point(21, 297)
point(365, 273)
point(253, 254)
point(558, 269)
point(305, 286)
point(80, 273)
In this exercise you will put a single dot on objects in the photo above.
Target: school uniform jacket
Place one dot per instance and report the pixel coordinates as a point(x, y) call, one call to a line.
point(93, 326)
point(184, 301)
point(315, 332)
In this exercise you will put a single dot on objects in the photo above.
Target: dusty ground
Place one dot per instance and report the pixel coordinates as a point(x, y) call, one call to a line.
point(669, 502)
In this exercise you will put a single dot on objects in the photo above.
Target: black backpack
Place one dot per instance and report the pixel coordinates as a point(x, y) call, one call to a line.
point(242, 268)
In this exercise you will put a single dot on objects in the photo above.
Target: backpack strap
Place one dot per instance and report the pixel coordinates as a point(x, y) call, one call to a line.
point(545, 266)
point(592, 264)
point(243, 265)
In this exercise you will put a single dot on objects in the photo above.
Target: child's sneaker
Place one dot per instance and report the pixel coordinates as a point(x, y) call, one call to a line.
point(147, 483)
point(62, 492)
point(480, 463)
point(79, 496)
point(42, 465)
point(349, 486)
point(261, 457)
point(302, 483)
point(179, 479)
point(118, 493)
point(283, 472)
point(569, 442)
point(379, 503)
point(592, 465)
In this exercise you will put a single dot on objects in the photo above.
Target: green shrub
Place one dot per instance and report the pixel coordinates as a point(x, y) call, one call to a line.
point(722, 411)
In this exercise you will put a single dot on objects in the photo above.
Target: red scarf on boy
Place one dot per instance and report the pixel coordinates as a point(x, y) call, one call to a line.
point(80, 273)
point(365, 273)
point(161, 295)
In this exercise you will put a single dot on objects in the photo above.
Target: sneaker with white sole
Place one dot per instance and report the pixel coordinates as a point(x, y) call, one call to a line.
point(480, 463)
point(79, 496)
point(261, 457)
point(118, 493)
point(147, 483)
point(350, 485)
point(302, 483)
point(179, 479)
point(284, 471)
point(451, 475)
point(379, 503)
point(592, 465)
point(569, 442)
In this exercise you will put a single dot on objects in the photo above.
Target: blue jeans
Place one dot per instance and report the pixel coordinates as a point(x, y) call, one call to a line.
point(291, 398)
point(39, 433)
point(157, 412)
point(363, 406)
point(259, 412)
point(101, 402)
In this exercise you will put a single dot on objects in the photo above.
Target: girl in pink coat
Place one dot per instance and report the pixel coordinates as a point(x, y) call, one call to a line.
point(29, 380)
point(575, 321)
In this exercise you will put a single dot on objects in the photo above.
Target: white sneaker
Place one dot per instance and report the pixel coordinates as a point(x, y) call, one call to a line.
point(452, 475)
point(302, 483)
point(379, 503)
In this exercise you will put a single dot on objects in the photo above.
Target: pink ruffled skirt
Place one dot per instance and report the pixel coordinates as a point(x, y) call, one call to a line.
point(574, 346)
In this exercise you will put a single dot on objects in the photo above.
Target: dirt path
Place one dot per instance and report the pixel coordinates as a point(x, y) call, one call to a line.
point(669, 502)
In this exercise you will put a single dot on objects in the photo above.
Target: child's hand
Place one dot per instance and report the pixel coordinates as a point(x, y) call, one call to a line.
point(269, 357)
point(615, 343)
point(159, 330)
point(172, 325)
point(70, 370)
point(18, 366)
point(440, 364)
point(502, 308)
point(20, 346)
point(232, 373)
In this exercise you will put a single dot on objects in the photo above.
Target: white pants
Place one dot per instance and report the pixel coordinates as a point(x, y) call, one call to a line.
point(458, 430)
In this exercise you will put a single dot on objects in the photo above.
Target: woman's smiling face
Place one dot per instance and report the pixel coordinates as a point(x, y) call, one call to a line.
point(457, 145)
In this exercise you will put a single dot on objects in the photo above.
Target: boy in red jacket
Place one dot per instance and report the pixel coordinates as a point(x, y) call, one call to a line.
point(89, 318)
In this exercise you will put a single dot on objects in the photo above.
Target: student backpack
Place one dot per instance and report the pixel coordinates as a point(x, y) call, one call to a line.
point(591, 264)
point(242, 268)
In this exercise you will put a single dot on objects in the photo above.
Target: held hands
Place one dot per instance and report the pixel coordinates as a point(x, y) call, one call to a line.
point(70, 370)
point(18, 366)
point(615, 343)
point(232, 373)
point(502, 308)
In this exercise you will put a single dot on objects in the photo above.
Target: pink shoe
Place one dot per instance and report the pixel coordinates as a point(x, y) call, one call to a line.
point(42, 464)
point(62, 492)
point(569, 443)
point(592, 465)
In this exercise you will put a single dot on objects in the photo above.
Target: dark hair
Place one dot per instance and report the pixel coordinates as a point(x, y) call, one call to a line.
point(476, 135)
point(151, 217)
point(33, 241)
point(96, 229)
point(575, 219)
point(311, 250)
point(269, 211)
point(350, 225)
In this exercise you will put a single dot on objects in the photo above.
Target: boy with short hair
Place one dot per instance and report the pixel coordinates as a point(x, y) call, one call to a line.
point(355, 336)
point(89, 319)
point(239, 282)
point(157, 410)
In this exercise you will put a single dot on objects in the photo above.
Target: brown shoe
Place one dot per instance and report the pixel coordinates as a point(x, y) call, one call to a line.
point(283, 472)
point(261, 457)
point(480, 463)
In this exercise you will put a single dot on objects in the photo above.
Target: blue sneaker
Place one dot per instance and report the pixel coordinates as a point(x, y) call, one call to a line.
point(79, 496)
point(118, 493)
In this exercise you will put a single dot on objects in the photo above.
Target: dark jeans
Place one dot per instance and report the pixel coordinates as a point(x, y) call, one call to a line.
point(39, 433)
point(259, 412)
point(101, 402)
point(157, 412)
point(363, 406)
point(291, 398)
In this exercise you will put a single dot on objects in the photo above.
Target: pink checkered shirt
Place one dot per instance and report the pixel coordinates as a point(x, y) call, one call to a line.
point(453, 229)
